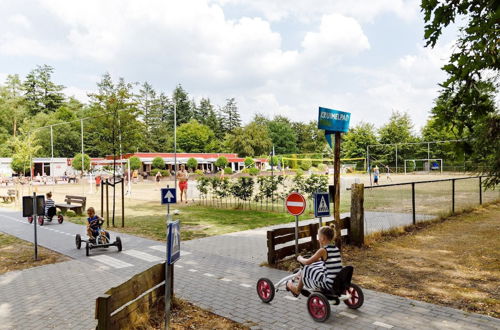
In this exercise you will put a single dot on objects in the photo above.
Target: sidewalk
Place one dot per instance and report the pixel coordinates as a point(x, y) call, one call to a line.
point(217, 273)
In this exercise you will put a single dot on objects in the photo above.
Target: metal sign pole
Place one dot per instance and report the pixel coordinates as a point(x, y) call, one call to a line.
point(296, 235)
point(167, 273)
point(35, 220)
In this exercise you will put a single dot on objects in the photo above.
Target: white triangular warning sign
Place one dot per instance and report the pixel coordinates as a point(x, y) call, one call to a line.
point(323, 206)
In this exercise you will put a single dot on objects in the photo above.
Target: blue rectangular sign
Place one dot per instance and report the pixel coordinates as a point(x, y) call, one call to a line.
point(168, 196)
point(333, 120)
point(321, 204)
point(173, 242)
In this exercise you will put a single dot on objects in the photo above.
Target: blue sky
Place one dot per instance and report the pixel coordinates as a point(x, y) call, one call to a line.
point(273, 56)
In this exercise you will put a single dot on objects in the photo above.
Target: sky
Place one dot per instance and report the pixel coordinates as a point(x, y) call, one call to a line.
point(276, 57)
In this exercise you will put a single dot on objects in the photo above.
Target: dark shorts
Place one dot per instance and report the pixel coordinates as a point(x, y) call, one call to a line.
point(375, 179)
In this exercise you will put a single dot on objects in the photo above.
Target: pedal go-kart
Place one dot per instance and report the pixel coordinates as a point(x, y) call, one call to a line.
point(318, 300)
point(51, 213)
point(102, 240)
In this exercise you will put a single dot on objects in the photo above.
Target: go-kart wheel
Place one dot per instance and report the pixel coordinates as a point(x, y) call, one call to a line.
point(357, 297)
point(118, 243)
point(87, 249)
point(318, 307)
point(30, 219)
point(265, 289)
point(60, 218)
point(78, 241)
point(40, 220)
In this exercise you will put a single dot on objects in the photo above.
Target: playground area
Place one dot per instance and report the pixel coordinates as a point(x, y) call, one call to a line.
point(207, 215)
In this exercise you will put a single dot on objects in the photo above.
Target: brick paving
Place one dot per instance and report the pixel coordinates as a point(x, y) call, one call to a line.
point(216, 273)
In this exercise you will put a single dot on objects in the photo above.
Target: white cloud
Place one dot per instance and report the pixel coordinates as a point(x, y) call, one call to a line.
point(20, 20)
point(309, 11)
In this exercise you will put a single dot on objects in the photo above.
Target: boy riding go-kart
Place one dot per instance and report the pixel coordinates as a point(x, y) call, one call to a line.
point(98, 237)
point(322, 279)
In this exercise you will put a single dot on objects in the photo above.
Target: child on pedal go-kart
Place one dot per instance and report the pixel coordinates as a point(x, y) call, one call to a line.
point(321, 269)
point(94, 223)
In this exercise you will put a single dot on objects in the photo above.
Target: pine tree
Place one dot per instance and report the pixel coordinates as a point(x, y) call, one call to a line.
point(183, 106)
point(230, 117)
point(41, 94)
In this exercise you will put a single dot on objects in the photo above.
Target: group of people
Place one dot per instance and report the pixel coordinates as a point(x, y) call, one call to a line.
point(182, 177)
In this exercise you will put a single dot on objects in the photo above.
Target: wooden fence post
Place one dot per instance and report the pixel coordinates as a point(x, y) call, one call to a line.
point(313, 229)
point(357, 214)
point(103, 312)
point(270, 247)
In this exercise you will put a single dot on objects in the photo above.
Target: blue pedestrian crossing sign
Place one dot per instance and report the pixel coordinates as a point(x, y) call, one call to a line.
point(168, 196)
point(173, 242)
point(321, 204)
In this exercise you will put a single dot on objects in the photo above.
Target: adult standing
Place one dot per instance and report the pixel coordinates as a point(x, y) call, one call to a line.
point(183, 177)
point(158, 177)
point(388, 173)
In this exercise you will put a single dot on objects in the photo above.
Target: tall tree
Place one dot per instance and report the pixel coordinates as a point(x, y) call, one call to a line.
point(283, 135)
point(466, 101)
point(230, 117)
point(194, 137)
point(399, 130)
point(251, 140)
point(114, 124)
point(183, 106)
point(41, 93)
point(354, 143)
point(310, 139)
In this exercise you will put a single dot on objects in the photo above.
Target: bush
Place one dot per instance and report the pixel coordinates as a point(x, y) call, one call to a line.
point(162, 172)
point(299, 172)
point(249, 162)
point(158, 162)
point(305, 165)
point(70, 213)
point(199, 172)
point(221, 162)
point(293, 163)
point(228, 170)
point(135, 163)
point(77, 162)
point(192, 163)
point(253, 171)
point(273, 161)
point(322, 168)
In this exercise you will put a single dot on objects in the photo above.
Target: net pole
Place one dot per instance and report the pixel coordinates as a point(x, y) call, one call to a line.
point(81, 133)
point(428, 156)
point(51, 142)
point(396, 158)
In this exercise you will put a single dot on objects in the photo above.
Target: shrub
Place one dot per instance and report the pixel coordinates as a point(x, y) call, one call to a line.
point(221, 162)
point(322, 168)
point(249, 162)
point(192, 163)
point(70, 213)
point(245, 170)
point(305, 165)
point(228, 170)
point(77, 162)
point(135, 163)
point(199, 172)
point(299, 172)
point(154, 171)
point(165, 173)
point(253, 171)
point(293, 163)
point(273, 161)
point(158, 163)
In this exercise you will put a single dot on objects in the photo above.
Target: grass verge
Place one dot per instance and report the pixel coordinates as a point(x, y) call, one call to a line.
point(17, 254)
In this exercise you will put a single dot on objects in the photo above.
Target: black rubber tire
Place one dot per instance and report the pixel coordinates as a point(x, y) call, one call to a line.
point(358, 302)
point(318, 307)
point(78, 241)
point(265, 290)
point(30, 219)
point(87, 249)
point(118, 243)
point(41, 220)
point(60, 218)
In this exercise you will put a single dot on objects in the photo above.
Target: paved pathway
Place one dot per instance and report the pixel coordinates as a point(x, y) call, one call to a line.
point(217, 273)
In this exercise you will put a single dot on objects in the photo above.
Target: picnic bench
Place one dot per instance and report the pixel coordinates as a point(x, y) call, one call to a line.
point(10, 196)
point(78, 208)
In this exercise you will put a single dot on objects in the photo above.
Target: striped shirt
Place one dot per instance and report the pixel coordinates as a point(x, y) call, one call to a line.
point(321, 274)
point(48, 204)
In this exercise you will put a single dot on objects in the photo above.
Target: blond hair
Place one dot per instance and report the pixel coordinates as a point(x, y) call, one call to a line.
point(327, 232)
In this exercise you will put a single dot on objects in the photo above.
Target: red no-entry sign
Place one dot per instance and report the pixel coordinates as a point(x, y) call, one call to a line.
point(295, 204)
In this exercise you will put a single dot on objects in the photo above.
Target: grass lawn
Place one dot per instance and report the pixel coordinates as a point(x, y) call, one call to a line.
point(454, 263)
point(17, 254)
point(196, 221)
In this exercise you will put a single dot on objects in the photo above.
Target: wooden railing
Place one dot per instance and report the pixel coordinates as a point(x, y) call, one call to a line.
point(124, 306)
point(284, 235)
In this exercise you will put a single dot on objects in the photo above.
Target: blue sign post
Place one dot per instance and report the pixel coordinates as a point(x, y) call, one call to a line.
point(335, 122)
point(173, 242)
point(321, 204)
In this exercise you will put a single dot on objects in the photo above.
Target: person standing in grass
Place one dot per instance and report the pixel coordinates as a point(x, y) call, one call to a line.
point(183, 177)
point(376, 174)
